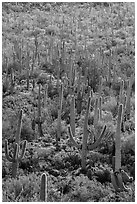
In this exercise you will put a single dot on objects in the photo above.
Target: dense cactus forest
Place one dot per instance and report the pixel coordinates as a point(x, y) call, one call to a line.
point(68, 102)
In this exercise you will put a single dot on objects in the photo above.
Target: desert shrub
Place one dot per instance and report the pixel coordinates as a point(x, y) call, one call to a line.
point(126, 68)
point(85, 190)
point(48, 68)
point(22, 189)
point(111, 106)
point(73, 158)
point(96, 157)
point(58, 160)
point(128, 150)
point(26, 130)
point(35, 74)
point(9, 122)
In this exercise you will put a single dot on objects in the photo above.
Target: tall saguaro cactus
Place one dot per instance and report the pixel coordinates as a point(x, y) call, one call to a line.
point(85, 136)
point(59, 114)
point(118, 139)
point(43, 188)
point(86, 146)
point(119, 177)
point(15, 158)
point(39, 113)
point(72, 114)
point(128, 98)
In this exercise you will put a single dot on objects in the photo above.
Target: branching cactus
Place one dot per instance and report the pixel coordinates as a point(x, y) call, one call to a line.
point(59, 114)
point(43, 188)
point(86, 146)
point(15, 158)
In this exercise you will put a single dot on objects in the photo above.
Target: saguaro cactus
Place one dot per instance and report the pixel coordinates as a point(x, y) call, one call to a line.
point(121, 92)
point(45, 96)
point(85, 136)
point(118, 176)
point(96, 113)
point(72, 114)
point(118, 140)
point(86, 147)
point(59, 114)
point(39, 114)
point(127, 109)
point(15, 158)
point(43, 188)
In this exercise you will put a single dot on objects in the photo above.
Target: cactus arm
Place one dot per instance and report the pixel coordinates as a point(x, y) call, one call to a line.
point(95, 145)
point(85, 136)
point(72, 138)
point(23, 150)
point(118, 140)
point(17, 139)
point(10, 159)
point(43, 188)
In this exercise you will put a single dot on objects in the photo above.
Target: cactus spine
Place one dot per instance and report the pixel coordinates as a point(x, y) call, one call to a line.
point(43, 188)
point(15, 158)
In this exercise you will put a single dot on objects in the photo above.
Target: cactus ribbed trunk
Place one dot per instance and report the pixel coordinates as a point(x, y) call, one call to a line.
point(72, 115)
point(85, 137)
point(59, 115)
point(43, 188)
point(39, 114)
point(19, 126)
point(118, 139)
point(96, 113)
point(121, 92)
point(128, 99)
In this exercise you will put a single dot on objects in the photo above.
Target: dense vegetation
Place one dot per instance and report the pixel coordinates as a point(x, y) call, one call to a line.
point(66, 68)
